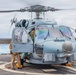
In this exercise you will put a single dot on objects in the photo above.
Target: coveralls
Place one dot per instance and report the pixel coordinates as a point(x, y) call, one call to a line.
point(13, 55)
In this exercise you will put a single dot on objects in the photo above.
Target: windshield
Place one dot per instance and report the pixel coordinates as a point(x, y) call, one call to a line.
point(41, 32)
point(54, 33)
point(44, 32)
point(65, 31)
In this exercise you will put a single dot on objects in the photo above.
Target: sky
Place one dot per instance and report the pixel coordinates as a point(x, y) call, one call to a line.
point(64, 17)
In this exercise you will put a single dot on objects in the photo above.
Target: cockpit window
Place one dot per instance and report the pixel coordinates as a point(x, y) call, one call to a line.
point(44, 32)
point(20, 36)
point(41, 32)
point(54, 32)
point(65, 31)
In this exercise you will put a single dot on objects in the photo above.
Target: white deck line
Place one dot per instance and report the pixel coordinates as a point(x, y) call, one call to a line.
point(22, 72)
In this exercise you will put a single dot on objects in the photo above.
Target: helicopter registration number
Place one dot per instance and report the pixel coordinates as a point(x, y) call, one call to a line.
point(48, 57)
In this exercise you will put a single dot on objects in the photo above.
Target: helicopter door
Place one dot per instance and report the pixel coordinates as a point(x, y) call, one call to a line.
point(21, 41)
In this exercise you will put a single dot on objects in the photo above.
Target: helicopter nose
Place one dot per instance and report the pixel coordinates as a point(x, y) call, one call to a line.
point(52, 46)
point(67, 47)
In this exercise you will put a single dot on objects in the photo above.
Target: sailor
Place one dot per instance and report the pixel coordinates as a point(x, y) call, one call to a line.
point(13, 56)
point(32, 32)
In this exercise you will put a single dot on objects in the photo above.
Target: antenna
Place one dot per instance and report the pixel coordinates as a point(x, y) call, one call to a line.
point(14, 20)
point(44, 15)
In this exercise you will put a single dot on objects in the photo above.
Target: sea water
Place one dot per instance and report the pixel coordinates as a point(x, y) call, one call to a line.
point(4, 49)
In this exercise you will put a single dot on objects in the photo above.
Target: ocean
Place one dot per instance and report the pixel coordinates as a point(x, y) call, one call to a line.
point(4, 49)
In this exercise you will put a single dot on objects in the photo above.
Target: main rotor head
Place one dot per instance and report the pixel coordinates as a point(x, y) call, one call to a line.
point(41, 8)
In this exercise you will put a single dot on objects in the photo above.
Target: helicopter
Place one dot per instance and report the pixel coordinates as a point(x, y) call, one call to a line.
point(44, 41)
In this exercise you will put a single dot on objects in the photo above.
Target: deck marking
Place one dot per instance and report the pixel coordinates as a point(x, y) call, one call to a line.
point(47, 70)
point(14, 71)
point(3, 62)
point(71, 68)
point(23, 72)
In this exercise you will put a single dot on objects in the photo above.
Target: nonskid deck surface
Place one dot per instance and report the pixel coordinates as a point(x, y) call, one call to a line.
point(47, 69)
point(31, 69)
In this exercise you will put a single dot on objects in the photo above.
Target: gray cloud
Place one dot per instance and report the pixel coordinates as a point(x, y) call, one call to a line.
point(13, 4)
point(62, 17)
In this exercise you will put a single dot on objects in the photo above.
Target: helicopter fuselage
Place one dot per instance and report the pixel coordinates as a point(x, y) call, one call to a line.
point(48, 44)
